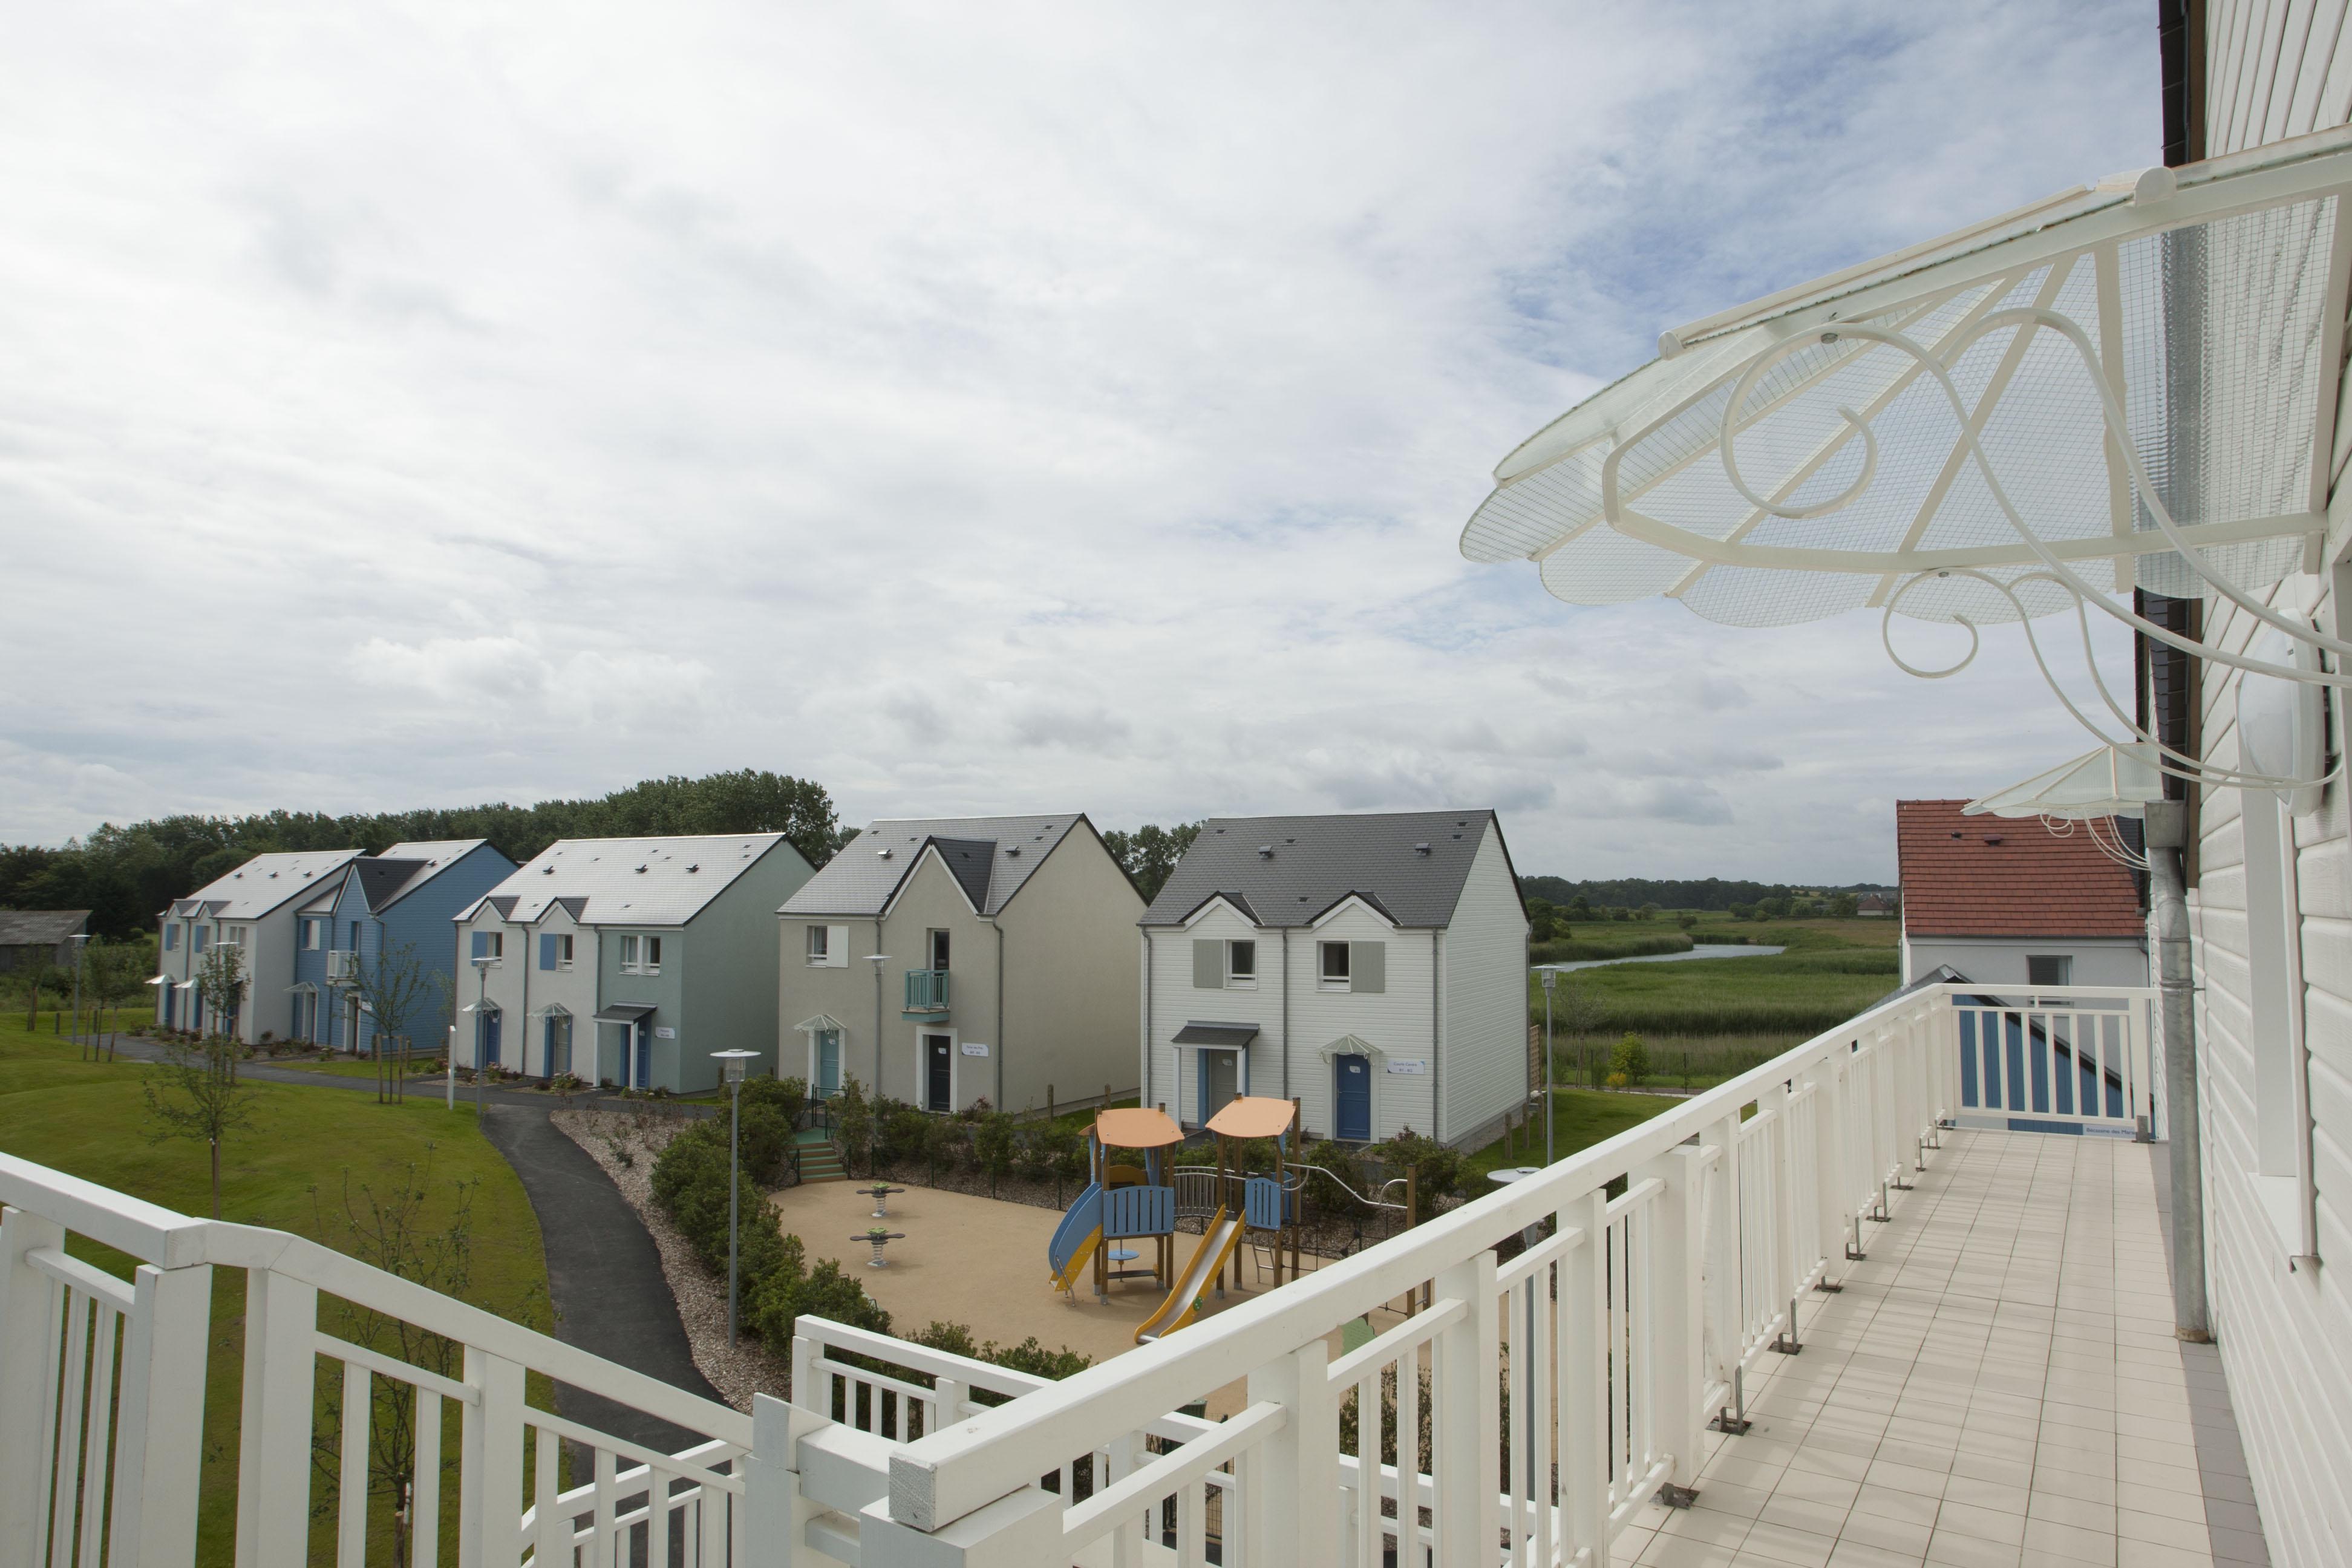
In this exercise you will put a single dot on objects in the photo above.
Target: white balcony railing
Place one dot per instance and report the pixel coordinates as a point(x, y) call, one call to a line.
point(343, 965)
point(1554, 1392)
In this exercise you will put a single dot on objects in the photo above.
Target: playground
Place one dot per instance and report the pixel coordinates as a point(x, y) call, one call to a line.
point(1178, 1218)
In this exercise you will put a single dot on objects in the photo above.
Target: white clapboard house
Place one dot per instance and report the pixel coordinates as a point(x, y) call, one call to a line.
point(1373, 967)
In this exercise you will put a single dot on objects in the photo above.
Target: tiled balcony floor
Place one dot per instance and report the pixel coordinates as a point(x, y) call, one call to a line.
point(1998, 1387)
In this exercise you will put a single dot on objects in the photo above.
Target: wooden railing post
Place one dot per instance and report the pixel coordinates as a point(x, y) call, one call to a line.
point(1468, 1420)
point(1677, 1372)
point(273, 1472)
point(1292, 1505)
point(1583, 1371)
point(158, 1465)
point(489, 1501)
point(28, 1368)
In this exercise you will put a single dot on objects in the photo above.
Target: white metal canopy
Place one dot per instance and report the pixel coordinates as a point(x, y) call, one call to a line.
point(2076, 390)
point(2111, 781)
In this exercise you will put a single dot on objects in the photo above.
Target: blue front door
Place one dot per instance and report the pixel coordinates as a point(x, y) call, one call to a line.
point(490, 1038)
point(1353, 1098)
point(645, 1053)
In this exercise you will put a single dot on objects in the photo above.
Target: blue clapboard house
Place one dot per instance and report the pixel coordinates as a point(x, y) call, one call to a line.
point(405, 897)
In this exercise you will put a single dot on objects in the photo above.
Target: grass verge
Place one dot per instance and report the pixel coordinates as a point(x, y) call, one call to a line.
point(88, 1120)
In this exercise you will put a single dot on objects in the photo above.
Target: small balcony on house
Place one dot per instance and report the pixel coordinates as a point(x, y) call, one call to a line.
point(343, 966)
point(927, 994)
point(1898, 1296)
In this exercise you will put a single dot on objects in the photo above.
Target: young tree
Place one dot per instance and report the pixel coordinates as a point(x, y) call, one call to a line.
point(28, 980)
point(195, 1094)
point(118, 973)
point(399, 990)
point(221, 982)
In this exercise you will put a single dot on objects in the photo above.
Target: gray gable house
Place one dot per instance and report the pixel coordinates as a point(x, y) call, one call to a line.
point(626, 960)
point(1374, 968)
point(950, 960)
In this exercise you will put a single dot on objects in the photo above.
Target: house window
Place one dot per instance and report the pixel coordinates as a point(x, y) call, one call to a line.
point(201, 940)
point(2050, 969)
point(1331, 964)
point(1240, 965)
point(170, 939)
point(489, 946)
point(564, 959)
point(641, 954)
point(819, 936)
point(629, 946)
point(653, 955)
point(312, 935)
point(938, 943)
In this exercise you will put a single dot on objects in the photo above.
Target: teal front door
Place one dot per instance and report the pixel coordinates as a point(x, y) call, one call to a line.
point(828, 1064)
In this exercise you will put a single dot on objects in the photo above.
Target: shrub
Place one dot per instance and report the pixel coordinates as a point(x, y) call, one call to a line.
point(1630, 1062)
point(1336, 1168)
point(853, 1124)
point(995, 1145)
point(787, 1097)
point(1436, 1169)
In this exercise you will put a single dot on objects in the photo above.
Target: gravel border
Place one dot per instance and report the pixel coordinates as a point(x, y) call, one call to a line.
point(623, 1144)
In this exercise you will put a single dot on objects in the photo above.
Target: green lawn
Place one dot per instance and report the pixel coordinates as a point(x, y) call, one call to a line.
point(89, 1119)
point(1580, 1117)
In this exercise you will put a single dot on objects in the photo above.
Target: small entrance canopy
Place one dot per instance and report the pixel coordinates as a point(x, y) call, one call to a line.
point(1253, 1116)
point(551, 1010)
point(1137, 1127)
point(2113, 781)
point(1352, 1045)
point(2084, 389)
point(622, 1012)
point(818, 1025)
point(1224, 1035)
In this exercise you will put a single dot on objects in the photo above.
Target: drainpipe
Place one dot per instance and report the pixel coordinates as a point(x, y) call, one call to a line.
point(1000, 1012)
point(2167, 838)
point(1144, 1097)
point(1285, 1011)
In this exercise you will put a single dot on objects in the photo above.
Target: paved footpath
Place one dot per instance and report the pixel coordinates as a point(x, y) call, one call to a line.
point(603, 1274)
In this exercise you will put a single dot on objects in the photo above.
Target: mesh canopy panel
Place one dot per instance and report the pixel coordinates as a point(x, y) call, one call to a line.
point(2212, 334)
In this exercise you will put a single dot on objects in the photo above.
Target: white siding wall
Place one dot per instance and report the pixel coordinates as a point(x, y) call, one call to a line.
point(2274, 68)
point(502, 984)
point(574, 988)
point(2000, 961)
point(1175, 1002)
point(1400, 1021)
point(2286, 1336)
point(1486, 992)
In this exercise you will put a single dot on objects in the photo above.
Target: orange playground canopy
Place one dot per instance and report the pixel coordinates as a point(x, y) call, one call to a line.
point(1251, 1116)
point(1139, 1127)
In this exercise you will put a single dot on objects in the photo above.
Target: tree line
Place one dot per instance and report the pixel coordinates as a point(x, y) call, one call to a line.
point(1706, 893)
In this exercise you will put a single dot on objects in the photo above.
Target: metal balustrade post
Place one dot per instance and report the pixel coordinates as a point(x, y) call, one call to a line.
point(1467, 1421)
point(273, 1468)
point(26, 1368)
point(1677, 1374)
point(158, 1465)
point(1293, 1513)
point(489, 1502)
point(1583, 1371)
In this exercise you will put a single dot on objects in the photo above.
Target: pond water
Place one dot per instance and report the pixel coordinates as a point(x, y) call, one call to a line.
point(1704, 950)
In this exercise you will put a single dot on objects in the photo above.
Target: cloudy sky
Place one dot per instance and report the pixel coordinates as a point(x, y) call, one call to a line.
point(969, 407)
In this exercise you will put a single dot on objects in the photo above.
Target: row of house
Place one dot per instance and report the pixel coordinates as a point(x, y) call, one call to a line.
point(1371, 967)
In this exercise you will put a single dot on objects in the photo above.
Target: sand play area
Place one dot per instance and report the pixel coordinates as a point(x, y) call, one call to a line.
point(981, 1262)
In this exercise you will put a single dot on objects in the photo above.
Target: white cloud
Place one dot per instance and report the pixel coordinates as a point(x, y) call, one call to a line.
point(985, 408)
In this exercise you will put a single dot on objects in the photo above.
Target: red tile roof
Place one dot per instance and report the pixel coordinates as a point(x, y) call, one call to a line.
point(1991, 876)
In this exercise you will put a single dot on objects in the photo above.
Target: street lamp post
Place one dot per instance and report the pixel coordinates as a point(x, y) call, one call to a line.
point(1550, 979)
point(481, 963)
point(733, 1063)
point(81, 941)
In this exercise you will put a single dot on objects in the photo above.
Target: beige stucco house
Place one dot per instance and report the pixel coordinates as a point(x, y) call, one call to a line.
point(952, 960)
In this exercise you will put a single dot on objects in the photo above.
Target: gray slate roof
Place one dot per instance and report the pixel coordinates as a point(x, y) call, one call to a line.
point(980, 850)
point(39, 928)
point(380, 878)
point(264, 882)
point(1319, 860)
point(634, 881)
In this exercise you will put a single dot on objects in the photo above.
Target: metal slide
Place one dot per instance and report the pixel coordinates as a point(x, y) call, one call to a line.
point(1192, 1286)
point(1075, 1238)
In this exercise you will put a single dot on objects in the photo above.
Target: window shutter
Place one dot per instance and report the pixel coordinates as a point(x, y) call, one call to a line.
point(1208, 965)
point(836, 947)
point(481, 945)
point(547, 949)
point(1368, 966)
